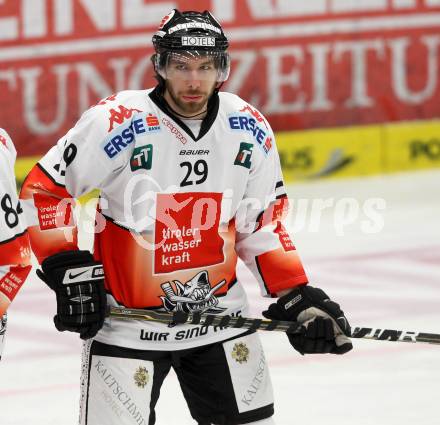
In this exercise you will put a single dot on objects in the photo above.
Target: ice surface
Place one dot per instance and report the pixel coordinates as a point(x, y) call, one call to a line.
point(390, 278)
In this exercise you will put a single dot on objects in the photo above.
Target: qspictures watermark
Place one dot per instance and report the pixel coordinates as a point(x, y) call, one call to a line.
point(342, 215)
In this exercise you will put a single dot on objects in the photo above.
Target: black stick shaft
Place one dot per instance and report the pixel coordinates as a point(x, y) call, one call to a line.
point(395, 335)
point(203, 319)
point(262, 324)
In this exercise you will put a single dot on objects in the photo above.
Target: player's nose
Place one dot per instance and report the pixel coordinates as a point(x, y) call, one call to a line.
point(193, 79)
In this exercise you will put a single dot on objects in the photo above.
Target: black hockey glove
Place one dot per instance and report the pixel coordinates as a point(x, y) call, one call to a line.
point(325, 328)
point(78, 281)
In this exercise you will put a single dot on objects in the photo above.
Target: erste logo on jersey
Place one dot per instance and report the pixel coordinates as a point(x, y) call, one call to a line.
point(3, 140)
point(122, 136)
point(251, 121)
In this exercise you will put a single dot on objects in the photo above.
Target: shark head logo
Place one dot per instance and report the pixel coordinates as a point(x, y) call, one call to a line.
point(194, 295)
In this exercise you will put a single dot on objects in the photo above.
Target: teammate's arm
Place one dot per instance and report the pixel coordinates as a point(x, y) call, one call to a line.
point(14, 242)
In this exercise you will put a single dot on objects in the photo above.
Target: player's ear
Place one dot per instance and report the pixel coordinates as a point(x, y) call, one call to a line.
point(153, 61)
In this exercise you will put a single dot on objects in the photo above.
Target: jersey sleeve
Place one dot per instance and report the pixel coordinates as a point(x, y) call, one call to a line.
point(73, 167)
point(263, 242)
point(14, 241)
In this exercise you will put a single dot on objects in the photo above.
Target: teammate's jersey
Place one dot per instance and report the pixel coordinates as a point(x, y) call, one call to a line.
point(14, 242)
point(175, 211)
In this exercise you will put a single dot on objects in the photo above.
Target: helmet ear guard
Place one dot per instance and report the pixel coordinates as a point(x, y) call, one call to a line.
point(225, 66)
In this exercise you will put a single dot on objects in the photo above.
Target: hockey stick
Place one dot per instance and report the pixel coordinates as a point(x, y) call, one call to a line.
point(205, 319)
point(179, 317)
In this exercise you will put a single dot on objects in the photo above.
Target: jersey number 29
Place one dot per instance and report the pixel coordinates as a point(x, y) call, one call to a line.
point(200, 169)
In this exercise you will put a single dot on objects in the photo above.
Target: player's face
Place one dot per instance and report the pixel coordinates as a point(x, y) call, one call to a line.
point(190, 83)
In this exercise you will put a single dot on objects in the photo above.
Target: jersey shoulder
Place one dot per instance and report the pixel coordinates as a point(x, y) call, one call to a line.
point(8, 155)
point(125, 97)
point(116, 108)
point(7, 147)
point(108, 117)
point(230, 102)
point(244, 118)
point(105, 132)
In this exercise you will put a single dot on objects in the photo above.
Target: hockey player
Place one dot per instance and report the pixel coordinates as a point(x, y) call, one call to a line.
point(190, 181)
point(14, 241)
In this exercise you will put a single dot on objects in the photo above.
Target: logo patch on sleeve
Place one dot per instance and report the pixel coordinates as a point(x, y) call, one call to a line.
point(244, 155)
point(140, 124)
point(142, 158)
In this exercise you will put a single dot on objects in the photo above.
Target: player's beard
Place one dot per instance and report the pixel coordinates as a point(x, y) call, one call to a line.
point(189, 108)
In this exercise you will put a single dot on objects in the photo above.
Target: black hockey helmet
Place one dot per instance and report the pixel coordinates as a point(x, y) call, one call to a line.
point(191, 34)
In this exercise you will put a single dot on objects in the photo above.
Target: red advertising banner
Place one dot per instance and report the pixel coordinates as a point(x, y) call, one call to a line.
point(320, 63)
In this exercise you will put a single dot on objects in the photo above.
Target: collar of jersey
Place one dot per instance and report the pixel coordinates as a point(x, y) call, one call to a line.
point(208, 121)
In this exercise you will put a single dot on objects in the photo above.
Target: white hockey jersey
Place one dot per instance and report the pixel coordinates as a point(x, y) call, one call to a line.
point(14, 242)
point(175, 211)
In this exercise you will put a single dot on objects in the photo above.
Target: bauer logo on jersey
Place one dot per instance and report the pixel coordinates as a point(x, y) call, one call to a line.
point(121, 137)
point(244, 155)
point(142, 158)
point(246, 122)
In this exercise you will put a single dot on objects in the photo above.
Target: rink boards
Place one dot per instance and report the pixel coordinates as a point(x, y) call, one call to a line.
point(345, 152)
point(360, 150)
